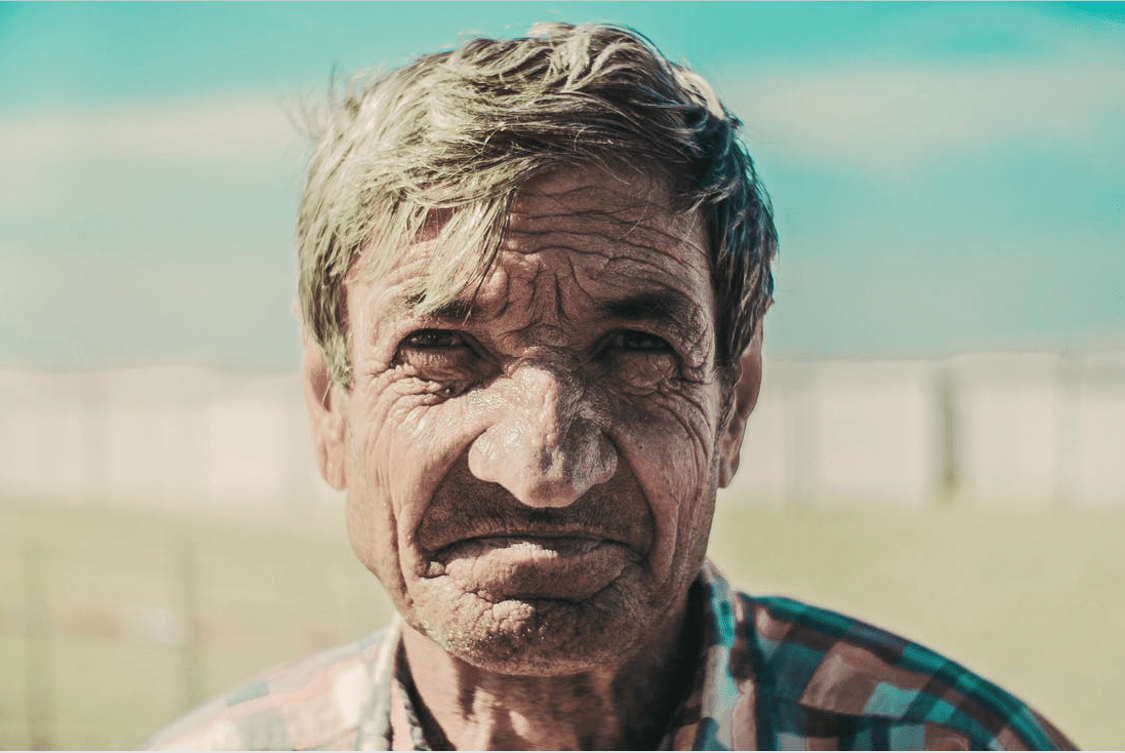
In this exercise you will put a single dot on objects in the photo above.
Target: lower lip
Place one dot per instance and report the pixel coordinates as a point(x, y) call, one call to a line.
point(571, 568)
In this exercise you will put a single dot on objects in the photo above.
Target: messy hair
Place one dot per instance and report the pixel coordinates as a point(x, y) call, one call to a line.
point(447, 141)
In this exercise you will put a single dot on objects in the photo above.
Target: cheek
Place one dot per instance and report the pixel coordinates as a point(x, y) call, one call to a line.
point(672, 432)
point(371, 531)
point(401, 446)
point(668, 440)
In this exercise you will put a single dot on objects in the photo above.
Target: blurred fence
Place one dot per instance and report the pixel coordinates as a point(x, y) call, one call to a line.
point(985, 429)
point(157, 437)
point(1040, 429)
point(115, 621)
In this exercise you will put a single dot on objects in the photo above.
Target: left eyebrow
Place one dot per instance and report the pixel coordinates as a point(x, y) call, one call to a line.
point(666, 306)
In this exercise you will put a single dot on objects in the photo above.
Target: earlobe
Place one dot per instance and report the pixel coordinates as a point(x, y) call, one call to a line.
point(749, 382)
point(325, 414)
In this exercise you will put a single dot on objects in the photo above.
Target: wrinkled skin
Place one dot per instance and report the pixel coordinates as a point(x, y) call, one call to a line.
point(531, 473)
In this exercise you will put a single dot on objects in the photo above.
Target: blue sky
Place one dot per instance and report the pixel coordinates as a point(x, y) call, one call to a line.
point(946, 177)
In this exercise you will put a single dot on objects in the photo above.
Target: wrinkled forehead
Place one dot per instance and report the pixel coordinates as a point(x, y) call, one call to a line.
point(586, 225)
point(621, 203)
point(603, 217)
point(592, 221)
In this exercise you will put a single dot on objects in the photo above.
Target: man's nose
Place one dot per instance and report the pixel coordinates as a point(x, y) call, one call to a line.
point(546, 448)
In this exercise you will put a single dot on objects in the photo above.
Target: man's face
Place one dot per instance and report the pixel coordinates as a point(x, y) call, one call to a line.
point(531, 471)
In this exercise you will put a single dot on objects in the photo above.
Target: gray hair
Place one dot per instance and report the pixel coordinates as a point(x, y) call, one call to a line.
point(449, 139)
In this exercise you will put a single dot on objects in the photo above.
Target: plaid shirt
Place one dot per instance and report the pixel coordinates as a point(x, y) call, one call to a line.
point(772, 674)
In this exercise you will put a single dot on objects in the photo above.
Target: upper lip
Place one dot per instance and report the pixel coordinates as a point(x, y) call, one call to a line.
point(465, 509)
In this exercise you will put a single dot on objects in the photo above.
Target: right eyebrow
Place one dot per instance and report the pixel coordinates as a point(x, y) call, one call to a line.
point(459, 310)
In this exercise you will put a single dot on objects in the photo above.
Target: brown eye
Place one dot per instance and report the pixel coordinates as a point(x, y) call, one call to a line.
point(637, 342)
point(446, 362)
point(434, 339)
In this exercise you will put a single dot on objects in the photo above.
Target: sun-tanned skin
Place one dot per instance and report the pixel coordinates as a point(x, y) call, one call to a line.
point(531, 470)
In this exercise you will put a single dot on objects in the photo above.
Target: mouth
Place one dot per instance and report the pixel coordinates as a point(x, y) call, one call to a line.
point(571, 567)
point(562, 542)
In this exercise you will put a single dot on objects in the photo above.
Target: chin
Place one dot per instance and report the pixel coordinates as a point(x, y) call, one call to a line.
point(542, 636)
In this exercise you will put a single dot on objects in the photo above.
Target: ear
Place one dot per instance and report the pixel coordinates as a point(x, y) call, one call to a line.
point(323, 399)
point(748, 382)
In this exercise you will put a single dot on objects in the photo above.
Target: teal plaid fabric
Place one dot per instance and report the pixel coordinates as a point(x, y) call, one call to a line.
point(772, 673)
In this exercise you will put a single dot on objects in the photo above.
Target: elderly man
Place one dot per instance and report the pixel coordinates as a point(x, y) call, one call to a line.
point(532, 281)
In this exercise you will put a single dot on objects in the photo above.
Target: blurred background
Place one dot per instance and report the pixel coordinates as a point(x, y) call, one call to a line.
point(940, 442)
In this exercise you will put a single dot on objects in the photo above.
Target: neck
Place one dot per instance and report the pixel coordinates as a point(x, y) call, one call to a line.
point(465, 707)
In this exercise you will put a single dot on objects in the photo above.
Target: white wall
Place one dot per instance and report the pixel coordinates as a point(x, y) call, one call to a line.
point(158, 437)
point(995, 429)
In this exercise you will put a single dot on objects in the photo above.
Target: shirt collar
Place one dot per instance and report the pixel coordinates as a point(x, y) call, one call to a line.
point(705, 719)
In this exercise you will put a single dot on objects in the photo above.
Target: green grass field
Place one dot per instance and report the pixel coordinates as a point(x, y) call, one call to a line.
point(1031, 600)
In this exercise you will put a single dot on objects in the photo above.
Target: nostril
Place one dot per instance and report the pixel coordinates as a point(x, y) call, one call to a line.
point(541, 473)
